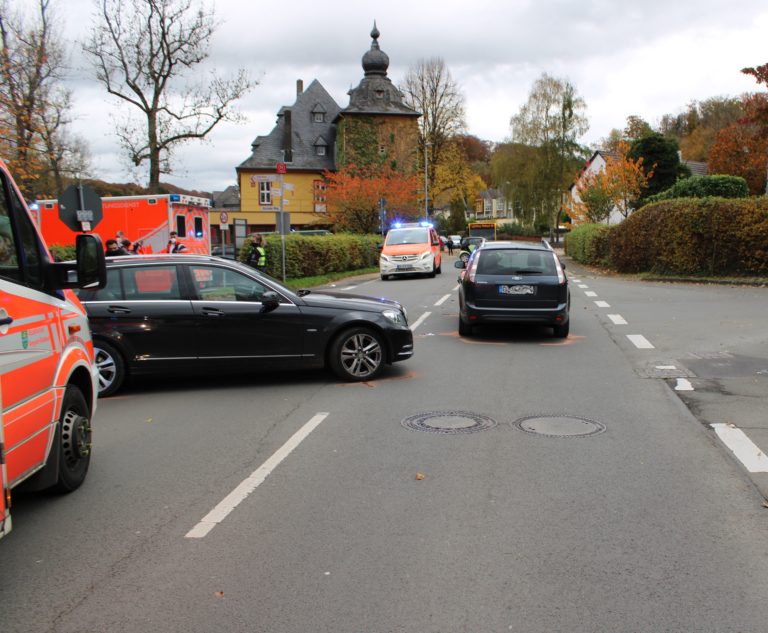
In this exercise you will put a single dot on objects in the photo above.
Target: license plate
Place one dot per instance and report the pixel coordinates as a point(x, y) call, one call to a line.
point(517, 290)
point(404, 267)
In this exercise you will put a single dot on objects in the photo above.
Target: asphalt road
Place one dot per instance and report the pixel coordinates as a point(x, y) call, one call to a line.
point(644, 522)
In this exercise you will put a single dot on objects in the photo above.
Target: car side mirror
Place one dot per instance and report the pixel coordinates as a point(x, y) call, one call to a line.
point(459, 263)
point(87, 271)
point(269, 301)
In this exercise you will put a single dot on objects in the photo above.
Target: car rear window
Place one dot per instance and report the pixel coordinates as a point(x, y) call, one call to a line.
point(516, 262)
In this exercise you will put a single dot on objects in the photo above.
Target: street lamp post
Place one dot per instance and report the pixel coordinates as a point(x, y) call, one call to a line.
point(426, 182)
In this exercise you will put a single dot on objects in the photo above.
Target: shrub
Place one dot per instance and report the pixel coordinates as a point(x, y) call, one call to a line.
point(694, 236)
point(307, 256)
point(705, 186)
point(588, 244)
point(515, 229)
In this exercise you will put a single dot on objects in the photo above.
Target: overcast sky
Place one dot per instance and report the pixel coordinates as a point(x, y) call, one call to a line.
point(645, 58)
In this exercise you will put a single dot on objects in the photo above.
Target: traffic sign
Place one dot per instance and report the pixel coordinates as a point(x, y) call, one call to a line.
point(282, 168)
point(80, 206)
point(224, 217)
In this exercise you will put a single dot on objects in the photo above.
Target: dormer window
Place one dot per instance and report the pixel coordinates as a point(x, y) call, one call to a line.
point(320, 146)
point(319, 117)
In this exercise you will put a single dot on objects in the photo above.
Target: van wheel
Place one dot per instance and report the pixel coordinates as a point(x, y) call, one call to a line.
point(357, 354)
point(74, 440)
point(434, 270)
point(439, 269)
point(111, 368)
point(385, 277)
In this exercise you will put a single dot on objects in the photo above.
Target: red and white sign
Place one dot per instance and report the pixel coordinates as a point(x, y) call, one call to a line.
point(282, 168)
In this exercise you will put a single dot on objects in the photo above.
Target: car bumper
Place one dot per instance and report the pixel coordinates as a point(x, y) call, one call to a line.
point(406, 268)
point(400, 344)
point(547, 316)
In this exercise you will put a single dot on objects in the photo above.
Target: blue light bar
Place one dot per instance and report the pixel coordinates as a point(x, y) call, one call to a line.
point(175, 197)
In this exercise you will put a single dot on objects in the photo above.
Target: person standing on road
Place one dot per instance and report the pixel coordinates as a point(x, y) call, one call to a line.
point(449, 244)
point(258, 257)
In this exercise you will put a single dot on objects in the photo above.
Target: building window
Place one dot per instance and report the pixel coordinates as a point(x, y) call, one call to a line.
point(318, 187)
point(320, 150)
point(319, 117)
point(382, 150)
point(265, 192)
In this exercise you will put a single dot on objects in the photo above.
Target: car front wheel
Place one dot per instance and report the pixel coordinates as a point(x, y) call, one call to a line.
point(357, 354)
point(111, 368)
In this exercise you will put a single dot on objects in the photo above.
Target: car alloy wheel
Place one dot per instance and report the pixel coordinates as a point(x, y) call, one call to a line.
point(111, 368)
point(357, 354)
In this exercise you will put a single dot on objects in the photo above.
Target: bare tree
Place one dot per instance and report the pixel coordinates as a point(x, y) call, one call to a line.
point(140, 50)
point(32, 64)
point(429, 88)
point(552, 120)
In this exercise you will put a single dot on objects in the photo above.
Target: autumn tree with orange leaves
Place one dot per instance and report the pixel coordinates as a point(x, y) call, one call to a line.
point(353, 195)
point(617, 187)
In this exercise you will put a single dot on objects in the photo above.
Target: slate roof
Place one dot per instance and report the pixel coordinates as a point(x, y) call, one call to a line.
point(227, 199)
point(376, 94)
point(697, 168)
point(306, 133)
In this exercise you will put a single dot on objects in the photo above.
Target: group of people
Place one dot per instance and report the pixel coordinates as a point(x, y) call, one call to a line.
point(121, 245)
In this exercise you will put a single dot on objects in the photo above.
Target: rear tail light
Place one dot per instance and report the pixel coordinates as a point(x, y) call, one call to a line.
point(560, 272)
point(473, 267)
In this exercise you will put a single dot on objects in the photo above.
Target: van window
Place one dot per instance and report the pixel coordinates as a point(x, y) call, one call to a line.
point(181, 226)
point(417, 235)
point(22, 260)
point(198, 227)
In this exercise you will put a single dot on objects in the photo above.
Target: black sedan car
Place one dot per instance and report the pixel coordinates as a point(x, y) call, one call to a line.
point(165, 314)
point(514, 282)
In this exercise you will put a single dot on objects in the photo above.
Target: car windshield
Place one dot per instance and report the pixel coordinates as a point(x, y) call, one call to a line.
point(407, 236)
point(516, 262)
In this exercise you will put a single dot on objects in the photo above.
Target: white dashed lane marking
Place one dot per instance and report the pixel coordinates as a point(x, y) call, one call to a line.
point(442, 300)
point(683, 384)
point(583, 286)
point(617, 319)
point(747, 452)
point(639, 341)
point(590, 293)
point(602, 304)
point(419, 321)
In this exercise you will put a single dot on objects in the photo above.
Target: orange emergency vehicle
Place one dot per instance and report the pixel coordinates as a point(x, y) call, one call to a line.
point(48, 377)
point(146, 219)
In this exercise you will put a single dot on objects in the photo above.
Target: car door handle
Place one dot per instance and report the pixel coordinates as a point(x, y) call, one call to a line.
point(6, 321)
point(213, 312)
point(118, 310)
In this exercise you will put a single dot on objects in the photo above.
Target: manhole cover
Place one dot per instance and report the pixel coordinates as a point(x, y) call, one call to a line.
point(448, 422)
point(559, 426)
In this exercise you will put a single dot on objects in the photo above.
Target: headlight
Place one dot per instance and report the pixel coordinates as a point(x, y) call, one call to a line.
point(395, 316)
point(426, 254)
point(384, 258)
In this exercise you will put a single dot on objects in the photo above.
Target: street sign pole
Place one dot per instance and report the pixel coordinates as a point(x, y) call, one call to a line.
point(282, 224)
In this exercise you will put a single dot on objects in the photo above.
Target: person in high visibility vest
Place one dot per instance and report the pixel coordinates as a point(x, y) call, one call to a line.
point(258, 257)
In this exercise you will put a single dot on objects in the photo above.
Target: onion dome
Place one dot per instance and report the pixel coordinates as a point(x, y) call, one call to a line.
point(375, 61)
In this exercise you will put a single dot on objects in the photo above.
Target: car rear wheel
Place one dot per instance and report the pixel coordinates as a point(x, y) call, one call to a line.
point(357, 354)
point(111, 368)
point(561, 331)
point(74, 440)
point(465, 329)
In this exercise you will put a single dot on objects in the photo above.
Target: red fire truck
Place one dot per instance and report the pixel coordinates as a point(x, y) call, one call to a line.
point(146, 219)
point(48, 377)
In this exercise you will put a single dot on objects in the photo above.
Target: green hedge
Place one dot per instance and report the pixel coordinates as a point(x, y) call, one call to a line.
point(704, 187)
point(308, 256)
point(588, 244)
point(693, 236)
point(62, 252)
